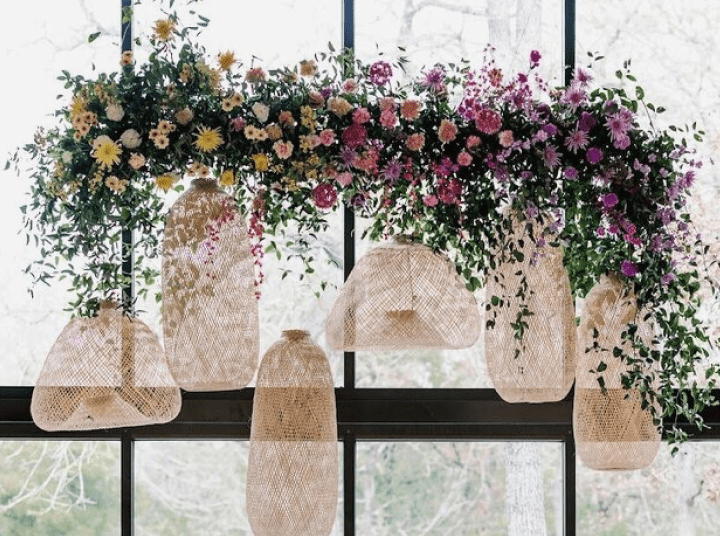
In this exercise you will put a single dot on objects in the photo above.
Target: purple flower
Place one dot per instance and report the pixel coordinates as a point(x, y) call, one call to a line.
point(618, 124)
point(574, 96)
point(435, 80)
point(667, 278)
point(628, 268)
point(594, 155)
point(551, 157)
point(622, 143)
point(577, 139)
point(583, 77)
point(326, 92)
point(600, 231)
point(380, 73)
point(586, 122)
point(571, 173)
point(535, 58)
point(610, 200)
point(550, 129)
point(392, 171)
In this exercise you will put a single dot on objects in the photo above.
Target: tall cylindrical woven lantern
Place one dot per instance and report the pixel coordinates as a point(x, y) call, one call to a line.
point(402, 295)
point(210, 313)
point(540, 366)
point(612, 431)
point(292, 476)
point(104, 372)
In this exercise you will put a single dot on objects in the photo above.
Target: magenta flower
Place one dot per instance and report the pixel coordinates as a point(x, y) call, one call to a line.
point(594, 155)
point(354, 136)
point(380, 73)
point(488, 121)
point(361, 115)
point(577, 139)
point(434, 80)
point(618, 124)
point(622, 143)
point(586, 122)
point(667, 278)
point(574, 96)
point(551, 157)
point(535, 58)
point(629, 269)
point(449, 191)
point(610, 200)
point(571, 173)
point(430, 200)
point(324, 195)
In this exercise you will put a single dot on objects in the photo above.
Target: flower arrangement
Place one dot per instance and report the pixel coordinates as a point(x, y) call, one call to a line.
point(442, 157)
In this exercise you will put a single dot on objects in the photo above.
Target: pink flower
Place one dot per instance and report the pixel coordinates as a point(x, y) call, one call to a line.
point(551, 157)
point(286, 118)
point(388, 119)
point(622, 143)
point(324, 195)
point(574, 96)
point(449, 191)
point(618, 124)
point(380, 73)
point(472, 142)
point(447, 131)
point(387, 103)
point(349, 86)
point(410, 110)
point(464, 158)
point(506, 138)
point(283, 149)
point(237, 123)
point(667, 278)
point(430, 200)
point(578, 139)
point(629, 269)
point(344, 178)
point(327, 137)
point(571, 173)
point(354, 136)
point(415, 142)
point(434, 80)
point(361, 115)
point(488, 121)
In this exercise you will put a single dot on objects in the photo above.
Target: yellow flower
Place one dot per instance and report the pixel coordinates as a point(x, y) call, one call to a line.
point(261, 162)
point(227, 178)
point(78, 106)
point(166, 181)
point(226, 60)
point(208, 139)
point(164, 29)
point(107, 154)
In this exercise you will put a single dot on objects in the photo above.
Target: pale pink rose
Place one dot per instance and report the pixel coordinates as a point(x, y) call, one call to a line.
point(472, 141)
point(447, 131)
point(339, 106)
point(388, 103)
point(464, 158)
point(344, 178)
point(430, 200)
point(283, 149)
point(415, 142)
point(506, 138)
point(388, 119)
point(361, 115)
point(349, 86)
point(410, 110)
point(327, 137)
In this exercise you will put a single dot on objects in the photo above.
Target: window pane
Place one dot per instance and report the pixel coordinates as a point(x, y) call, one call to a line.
point(44, 38)
point(674, 52)
point(59, 488)
point(459, 488)
point(195, 487)
point(677, 495)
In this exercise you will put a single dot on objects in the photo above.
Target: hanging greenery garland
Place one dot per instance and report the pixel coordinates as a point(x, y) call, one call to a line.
point(440, 157)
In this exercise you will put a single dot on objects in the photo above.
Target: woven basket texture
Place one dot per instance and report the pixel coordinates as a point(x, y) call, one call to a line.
point(292, 479)
point(210, 313)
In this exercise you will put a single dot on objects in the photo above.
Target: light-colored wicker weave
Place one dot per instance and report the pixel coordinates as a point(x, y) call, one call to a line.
point(612, 431)
point(210, 313)
point(539, 367)
point(104, 372)
point(402, 295)
point(292, 477)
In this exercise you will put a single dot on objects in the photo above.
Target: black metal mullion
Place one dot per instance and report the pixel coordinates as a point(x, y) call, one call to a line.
point(569, 35)
point(570, 483)
point(127, 452)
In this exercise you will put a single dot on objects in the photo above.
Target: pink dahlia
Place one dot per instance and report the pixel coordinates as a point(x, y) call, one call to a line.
point(447, 131)
point(488, 121)
point(415, 142)
point(410, 110)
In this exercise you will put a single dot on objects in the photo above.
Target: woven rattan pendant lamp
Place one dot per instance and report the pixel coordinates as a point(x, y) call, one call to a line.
point(104, 372)
point(539, 367)
point(402, 295)
point(612, 431)
point(292, 476)
point(210, 313)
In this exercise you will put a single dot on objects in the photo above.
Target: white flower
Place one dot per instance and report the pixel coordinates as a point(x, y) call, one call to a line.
point(130, 138)
point(97, 142)
point(184, 116)
point(66, 157)
point(115, 112)
point(261, 111)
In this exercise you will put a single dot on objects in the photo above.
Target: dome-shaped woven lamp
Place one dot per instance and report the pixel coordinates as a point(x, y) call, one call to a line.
point(612, 431)
point(402, 295)
point(540, 367)
point(210, 313)
point(292, 476)
point(105, 372)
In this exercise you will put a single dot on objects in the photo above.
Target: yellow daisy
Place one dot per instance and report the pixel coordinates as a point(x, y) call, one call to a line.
point(208, 139)
point(78, 106)
point(107, 154)
point(166, 181)
point(226, 60)
point(261, 162)
point(227, 178)
point(164, 29)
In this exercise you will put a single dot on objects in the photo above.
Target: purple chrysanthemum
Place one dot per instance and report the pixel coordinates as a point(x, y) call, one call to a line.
point(610, 200)
point(551, 157)
point(594, 155)
point(577, 139)
point(629, 269)
point(586, 122)
point(434, 80)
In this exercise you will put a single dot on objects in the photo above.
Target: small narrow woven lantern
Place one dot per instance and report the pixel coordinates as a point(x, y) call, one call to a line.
point(539, 367)
point(402, 295)
point(104, 372)
point(210, 313)
point(612, 431)
point(292, 476)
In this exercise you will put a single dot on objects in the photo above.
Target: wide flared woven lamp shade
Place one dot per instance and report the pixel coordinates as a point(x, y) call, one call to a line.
point(292, 476)
point(539, 367)
point(210, 313)
point(612, 431)
point(104, 372)
point(399, 296)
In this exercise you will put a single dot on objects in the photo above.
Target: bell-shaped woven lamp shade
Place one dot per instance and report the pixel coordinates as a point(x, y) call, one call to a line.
point(292, 476)
point(539, 367)
point(399, 296)
point(612, 431)
point(210, 313)
point(105, 372)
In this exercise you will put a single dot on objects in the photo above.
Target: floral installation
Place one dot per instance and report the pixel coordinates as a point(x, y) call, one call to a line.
point(442, 157)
